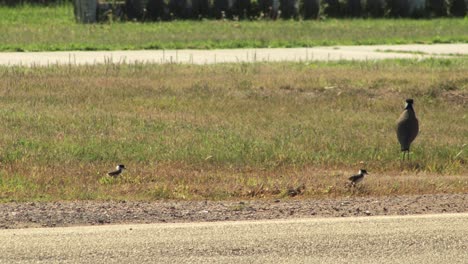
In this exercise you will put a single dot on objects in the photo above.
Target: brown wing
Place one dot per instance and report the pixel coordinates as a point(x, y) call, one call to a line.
point(414, 130)
point(114, 173)
point(355, 177)
point(407, 129)
point(402, 130)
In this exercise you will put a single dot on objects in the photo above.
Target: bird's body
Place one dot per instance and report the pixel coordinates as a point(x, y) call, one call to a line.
point(407, 127)
point(117, 172)
point(358, 177)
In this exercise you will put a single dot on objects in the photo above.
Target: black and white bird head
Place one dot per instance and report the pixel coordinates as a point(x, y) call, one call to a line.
point(409, 103)
point(118, 171)
point(363, 172)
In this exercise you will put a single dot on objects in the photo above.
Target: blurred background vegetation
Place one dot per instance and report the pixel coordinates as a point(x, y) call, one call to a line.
point(153, 10)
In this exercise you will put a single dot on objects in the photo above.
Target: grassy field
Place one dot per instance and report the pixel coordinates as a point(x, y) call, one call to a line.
point(230, 131)
point(30, 28)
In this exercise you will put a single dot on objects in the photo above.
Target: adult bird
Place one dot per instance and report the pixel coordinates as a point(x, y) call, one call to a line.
point(117, 172)
point(358, 177)
point(407, 127)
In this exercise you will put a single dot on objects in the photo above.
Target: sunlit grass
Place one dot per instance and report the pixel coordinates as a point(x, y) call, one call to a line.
point(234, 130)
point(34, 28)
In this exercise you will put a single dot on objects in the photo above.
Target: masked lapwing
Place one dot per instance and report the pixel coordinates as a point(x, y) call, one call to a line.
point(117, 172)
point(358, 177)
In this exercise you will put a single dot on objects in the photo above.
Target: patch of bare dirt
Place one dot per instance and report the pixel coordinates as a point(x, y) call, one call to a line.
point(26, 215)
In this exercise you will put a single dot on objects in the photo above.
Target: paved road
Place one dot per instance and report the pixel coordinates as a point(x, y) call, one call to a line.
point(234, 55)
point(396, 239)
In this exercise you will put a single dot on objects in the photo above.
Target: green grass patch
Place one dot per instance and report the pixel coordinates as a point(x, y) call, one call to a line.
point(229, 130)
point(53, 28)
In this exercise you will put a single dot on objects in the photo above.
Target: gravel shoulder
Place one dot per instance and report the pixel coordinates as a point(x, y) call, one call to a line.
point(74, 213)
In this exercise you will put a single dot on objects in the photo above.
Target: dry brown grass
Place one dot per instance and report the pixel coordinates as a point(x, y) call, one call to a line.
point(229, 131)
point(176, 181)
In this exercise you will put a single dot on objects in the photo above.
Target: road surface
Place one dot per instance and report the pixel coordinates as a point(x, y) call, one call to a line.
point(380, 239)
point(376, 52)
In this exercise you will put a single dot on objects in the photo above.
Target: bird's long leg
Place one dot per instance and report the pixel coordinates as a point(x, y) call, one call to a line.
point(407, 155)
